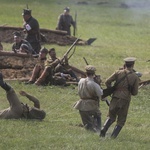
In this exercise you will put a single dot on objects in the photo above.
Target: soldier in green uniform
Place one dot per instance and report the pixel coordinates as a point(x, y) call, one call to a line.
point(65, 21)
point(121, 96)
point(88, 105)
point(17, 109)
point(31, 28)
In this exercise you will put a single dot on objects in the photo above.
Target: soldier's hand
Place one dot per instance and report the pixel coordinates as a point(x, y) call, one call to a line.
point(23, 93)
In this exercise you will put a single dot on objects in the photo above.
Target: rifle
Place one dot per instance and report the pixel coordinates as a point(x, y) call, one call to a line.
point(69, 50)
point(75, 27)
point(144, 83)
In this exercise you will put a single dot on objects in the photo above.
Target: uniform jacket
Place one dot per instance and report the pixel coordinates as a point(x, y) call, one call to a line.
point(90, 93)
point(127, 87)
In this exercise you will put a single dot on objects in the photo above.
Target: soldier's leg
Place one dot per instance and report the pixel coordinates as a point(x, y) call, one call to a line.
point(3, 84)
point(87, 120)
point(111, 117)
point(41, 80)
point(15, 104)
point(116, 131)
point(35, 73)
point(122, 116)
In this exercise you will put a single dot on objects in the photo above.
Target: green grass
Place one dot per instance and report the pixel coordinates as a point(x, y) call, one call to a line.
point(120, 33)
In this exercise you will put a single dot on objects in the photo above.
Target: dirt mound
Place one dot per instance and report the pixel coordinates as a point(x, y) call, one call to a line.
point(19, 66)
point(47, 36)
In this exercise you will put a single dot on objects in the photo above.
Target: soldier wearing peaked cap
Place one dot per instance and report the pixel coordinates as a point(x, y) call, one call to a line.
point(31, 28)
point(88, 105)
point(65, 21)
point(128, 83)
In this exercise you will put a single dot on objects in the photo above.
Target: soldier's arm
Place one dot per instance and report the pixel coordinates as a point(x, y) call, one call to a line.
point(111, 79)
point(135, 87)
point(31, 98)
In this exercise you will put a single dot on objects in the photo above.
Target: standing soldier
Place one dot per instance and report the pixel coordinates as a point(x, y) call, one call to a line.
point(31, 28)
point(88, 105)
point(121, 96)
point(65, 21)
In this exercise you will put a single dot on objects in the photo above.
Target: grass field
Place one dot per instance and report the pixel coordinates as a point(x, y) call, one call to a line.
point(120, 32)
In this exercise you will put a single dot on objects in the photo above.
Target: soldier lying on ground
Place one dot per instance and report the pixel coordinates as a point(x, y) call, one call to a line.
point(54, 65)
point(39, 67)
point(17, 109)
point(20, 45)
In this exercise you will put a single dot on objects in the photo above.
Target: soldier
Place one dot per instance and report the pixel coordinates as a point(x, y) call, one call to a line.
point(17, 109)
point(88, 105)
point(54, 65)
point(39, 67)
point(21, 45)
point(65, 21)
point(31, 28)
point(121, 96)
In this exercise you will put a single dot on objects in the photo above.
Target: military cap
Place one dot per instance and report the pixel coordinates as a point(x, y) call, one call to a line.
point(44, 50)
point(130, 60)
point(51, 49)
point(90, 69)
point(16, 33)
point(26, 12)
point(67, 9)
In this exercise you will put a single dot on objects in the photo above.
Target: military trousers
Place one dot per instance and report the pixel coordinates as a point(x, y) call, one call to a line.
point(118, 109)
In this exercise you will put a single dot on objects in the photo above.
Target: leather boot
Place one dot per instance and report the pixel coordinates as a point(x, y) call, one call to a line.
point(116, 131)
point(3, 84)
point(41, 80)
point(105, 127)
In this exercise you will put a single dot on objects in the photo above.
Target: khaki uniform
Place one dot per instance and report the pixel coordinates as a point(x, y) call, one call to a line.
point(122, 95)
point(18, 110)
point(88, 105)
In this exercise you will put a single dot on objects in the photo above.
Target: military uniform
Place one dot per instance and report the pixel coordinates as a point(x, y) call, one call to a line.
point(17, 109)
point(39, 67)
point(31, 26)
point(88, 105)
point(121, 96)
point(65, 22)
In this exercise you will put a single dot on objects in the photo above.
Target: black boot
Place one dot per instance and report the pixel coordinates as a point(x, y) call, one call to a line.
point(105, 127)
point(116, 131)
point(3, 84)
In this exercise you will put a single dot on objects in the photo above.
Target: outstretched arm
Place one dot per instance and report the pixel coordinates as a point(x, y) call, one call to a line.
point(31, 98)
